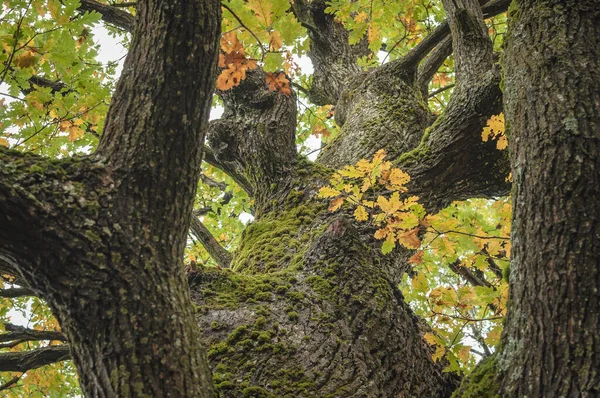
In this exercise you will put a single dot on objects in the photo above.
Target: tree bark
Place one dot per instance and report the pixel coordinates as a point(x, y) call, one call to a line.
point(101, 238)
point(551, 347)
point(310, 307)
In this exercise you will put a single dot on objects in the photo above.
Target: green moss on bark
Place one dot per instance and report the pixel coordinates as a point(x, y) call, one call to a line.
point(481, 383)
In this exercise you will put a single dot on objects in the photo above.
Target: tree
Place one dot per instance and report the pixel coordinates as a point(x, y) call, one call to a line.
point(308, 304)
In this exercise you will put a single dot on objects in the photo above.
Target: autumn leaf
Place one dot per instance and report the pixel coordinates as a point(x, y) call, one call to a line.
point(4, 142)
point(75, 133)
point(430, 338)
point(328, 192)
point(398, 178)
point(361, 214)
point(25, 60)
point(275, 41)
point(416, 258)
point(409, 239)
point(278, 82)
point(495, 130)
point(335, 204)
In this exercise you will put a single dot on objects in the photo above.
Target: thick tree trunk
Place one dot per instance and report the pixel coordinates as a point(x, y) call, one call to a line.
point(551, 342)
point(311, 308)
point(101, 239)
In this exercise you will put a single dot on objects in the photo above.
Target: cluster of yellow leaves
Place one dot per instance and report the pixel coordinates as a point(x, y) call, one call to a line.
point(233, 61)
point(397, 218)
point(495, 130)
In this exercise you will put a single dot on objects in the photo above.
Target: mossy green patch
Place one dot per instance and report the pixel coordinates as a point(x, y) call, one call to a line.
point(481, 383)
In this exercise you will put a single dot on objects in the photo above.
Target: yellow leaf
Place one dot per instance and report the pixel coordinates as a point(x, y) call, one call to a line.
point(430, 338)
point(502, 142)
point(381, 233)
point(275, 41)
point(398, 177)
point(439, 353)
point(328, 192)
point(379, 155)
point(75, 133)
point(336, 204)
point(262, 10)
point(78, 122)
point(361, 214)
point(4, 142)
point(373, 33)
point(360, 17)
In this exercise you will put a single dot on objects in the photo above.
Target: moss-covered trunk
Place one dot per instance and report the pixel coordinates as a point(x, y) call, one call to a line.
point(551, 340)
point(311, 307)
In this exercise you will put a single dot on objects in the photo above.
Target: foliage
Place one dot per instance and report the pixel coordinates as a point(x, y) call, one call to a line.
point(457, 281)
point(365, 185)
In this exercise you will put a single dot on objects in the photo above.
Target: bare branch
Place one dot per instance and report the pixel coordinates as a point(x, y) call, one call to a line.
point(205, 210)
point(16, 292)
point(210, 158)
point(21, 333)
point(430, 42)
point(10, 383)
point(28, 360)
point(216, 251)
point(432, 64)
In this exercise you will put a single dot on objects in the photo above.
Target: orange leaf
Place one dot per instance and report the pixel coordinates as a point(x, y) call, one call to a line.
point(416, 258)
point(278, 82)
point(409, 239)
point(336, 204)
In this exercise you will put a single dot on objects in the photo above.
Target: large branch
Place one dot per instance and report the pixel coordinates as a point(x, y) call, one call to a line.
point(28, 360)
point(333, 59)
point(110, 14)
point(420, 51)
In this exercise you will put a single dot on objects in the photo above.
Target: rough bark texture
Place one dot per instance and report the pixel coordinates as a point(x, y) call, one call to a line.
point(551, 344)
point(101, 238)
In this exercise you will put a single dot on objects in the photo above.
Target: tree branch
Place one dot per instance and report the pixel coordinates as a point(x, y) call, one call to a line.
point(28, 360)
point(205, 210)
point(16, 292)
point(22, 334)
point(425, 46)
point(210, 158)
point(216, 251)
point(432, 64)
point(10, 383)
point(110, 14)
